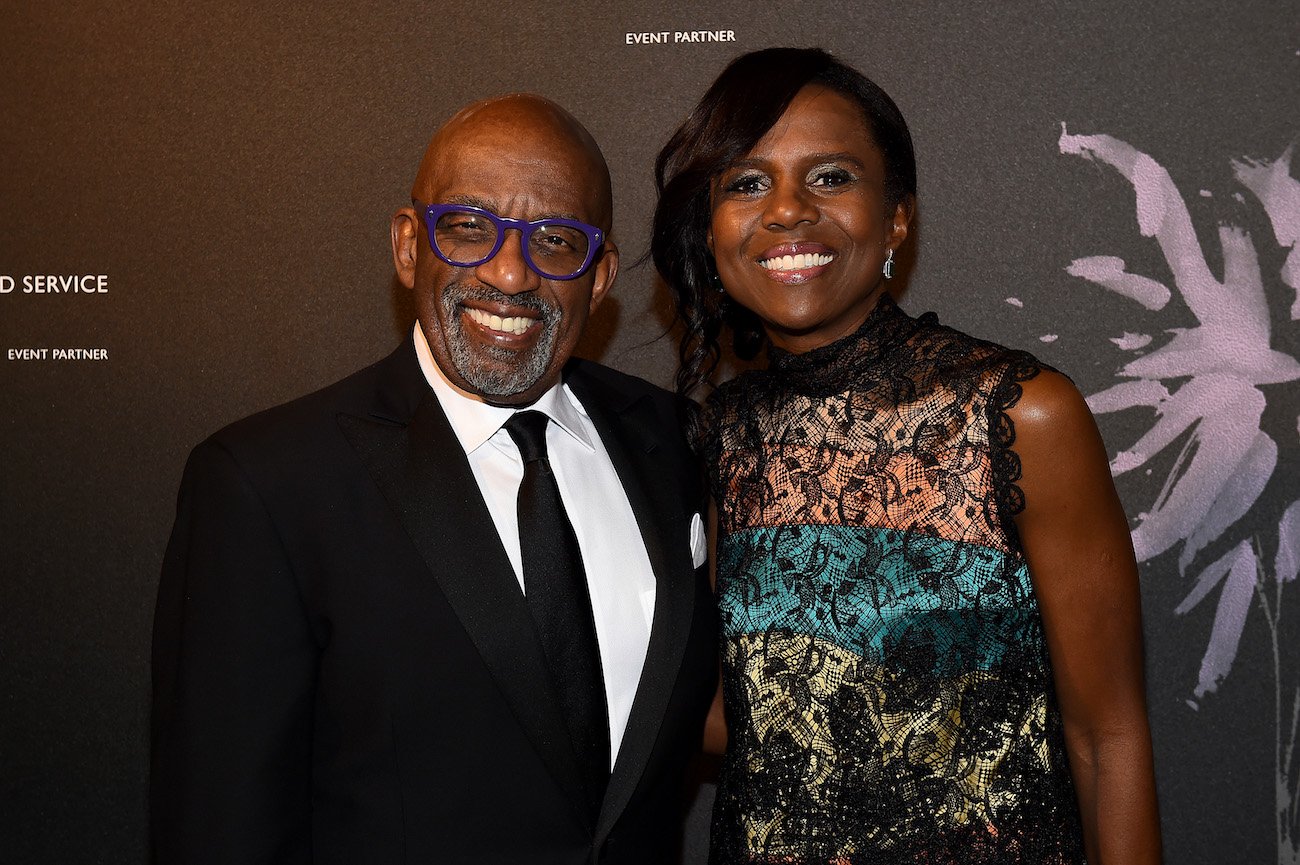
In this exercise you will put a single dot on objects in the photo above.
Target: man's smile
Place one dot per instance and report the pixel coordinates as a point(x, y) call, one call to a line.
point(514, 324)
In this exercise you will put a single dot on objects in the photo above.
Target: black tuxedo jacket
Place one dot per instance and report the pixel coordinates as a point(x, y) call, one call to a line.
point(344, 668)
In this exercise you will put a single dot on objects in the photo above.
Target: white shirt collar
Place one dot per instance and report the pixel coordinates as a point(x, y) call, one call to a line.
point(475, 422)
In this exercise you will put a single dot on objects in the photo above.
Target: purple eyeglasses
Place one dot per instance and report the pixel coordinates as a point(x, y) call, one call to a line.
point(466, 236)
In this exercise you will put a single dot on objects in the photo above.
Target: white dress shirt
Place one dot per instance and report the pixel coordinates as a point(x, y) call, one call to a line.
point(619, 577)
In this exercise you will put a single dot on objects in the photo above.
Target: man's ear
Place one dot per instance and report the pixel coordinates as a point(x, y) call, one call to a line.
point(605, 269)
point(406, 238)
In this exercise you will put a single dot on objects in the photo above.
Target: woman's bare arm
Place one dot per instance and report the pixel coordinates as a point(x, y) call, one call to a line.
point(1076, 539)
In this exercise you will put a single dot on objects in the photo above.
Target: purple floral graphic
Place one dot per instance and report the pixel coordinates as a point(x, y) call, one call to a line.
point(1205, 386)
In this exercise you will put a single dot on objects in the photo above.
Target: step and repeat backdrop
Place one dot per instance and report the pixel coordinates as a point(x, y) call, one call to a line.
point(194, 207)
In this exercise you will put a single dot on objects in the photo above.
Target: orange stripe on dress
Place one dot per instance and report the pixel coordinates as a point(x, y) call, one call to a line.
point(946, 493)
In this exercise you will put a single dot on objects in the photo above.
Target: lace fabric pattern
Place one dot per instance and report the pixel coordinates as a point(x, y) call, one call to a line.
point(885, 675)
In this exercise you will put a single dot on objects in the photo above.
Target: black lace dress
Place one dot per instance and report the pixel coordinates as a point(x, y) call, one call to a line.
point(885, 677)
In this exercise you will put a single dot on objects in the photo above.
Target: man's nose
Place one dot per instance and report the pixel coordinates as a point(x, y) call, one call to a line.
point(508, 271)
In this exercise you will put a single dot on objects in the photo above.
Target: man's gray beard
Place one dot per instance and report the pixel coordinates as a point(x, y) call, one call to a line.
point(518, 371)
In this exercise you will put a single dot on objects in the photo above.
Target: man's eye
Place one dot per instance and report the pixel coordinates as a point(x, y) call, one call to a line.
point(463, 224)
point(553, 240)
point(558, 239)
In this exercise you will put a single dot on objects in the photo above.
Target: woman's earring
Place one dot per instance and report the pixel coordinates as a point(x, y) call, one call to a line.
point(717, 283)
point(888, 269)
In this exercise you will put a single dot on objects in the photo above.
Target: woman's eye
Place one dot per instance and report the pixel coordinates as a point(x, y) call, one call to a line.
point(830, 178)
point(746, 184)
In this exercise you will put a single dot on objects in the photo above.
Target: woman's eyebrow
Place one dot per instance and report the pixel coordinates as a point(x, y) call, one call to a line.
point(813, 158)
point(835, 157)
point(746, 162)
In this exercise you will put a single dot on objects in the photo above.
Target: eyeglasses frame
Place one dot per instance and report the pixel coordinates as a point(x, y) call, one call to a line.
point(432, 212)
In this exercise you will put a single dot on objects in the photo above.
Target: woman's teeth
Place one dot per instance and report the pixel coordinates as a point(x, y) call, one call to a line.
point(515, 324)
point(796, 262)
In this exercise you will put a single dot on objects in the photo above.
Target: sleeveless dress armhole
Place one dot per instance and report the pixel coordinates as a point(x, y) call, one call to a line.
point(1008, 497)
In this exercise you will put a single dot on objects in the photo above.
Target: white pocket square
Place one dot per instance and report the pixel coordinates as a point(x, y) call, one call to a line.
point(699, 541)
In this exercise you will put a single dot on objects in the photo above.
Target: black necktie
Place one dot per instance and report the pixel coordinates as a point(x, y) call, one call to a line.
point(555, 586)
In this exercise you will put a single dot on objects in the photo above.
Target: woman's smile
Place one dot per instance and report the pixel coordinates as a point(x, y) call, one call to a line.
point(796, 262)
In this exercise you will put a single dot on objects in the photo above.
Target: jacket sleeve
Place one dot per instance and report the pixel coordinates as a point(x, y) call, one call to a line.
point(234, 664)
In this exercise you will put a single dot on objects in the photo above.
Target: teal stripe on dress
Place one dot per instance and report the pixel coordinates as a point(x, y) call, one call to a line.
point(881, 593)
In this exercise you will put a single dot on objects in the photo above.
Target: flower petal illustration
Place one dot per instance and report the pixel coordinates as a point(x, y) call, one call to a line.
point(1286, 565)
point(1132, 341)
point(1235, 498)
point(1128, 394)
point(1279, 192)
point(1239, 566)
point(1161, 212)
point(1108, 272)
point(1219, 443)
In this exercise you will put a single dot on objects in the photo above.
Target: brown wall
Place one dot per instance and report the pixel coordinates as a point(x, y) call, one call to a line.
point(231, 168)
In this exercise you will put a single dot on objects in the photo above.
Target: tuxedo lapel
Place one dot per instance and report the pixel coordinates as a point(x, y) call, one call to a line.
point(626, 428)
point(422, 471)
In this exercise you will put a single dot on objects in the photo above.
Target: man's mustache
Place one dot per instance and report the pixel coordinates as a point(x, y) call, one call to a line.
point(459, 292)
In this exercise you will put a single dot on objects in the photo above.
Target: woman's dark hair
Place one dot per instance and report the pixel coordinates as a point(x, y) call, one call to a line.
point(746, 100)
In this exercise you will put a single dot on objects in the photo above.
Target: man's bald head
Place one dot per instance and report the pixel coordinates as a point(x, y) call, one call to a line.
point(521, 125)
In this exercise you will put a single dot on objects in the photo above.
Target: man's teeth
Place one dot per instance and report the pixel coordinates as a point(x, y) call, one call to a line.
point(514, 324)
point(796, 262)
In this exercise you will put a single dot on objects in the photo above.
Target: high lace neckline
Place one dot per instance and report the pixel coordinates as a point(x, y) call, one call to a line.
point(832, 367)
